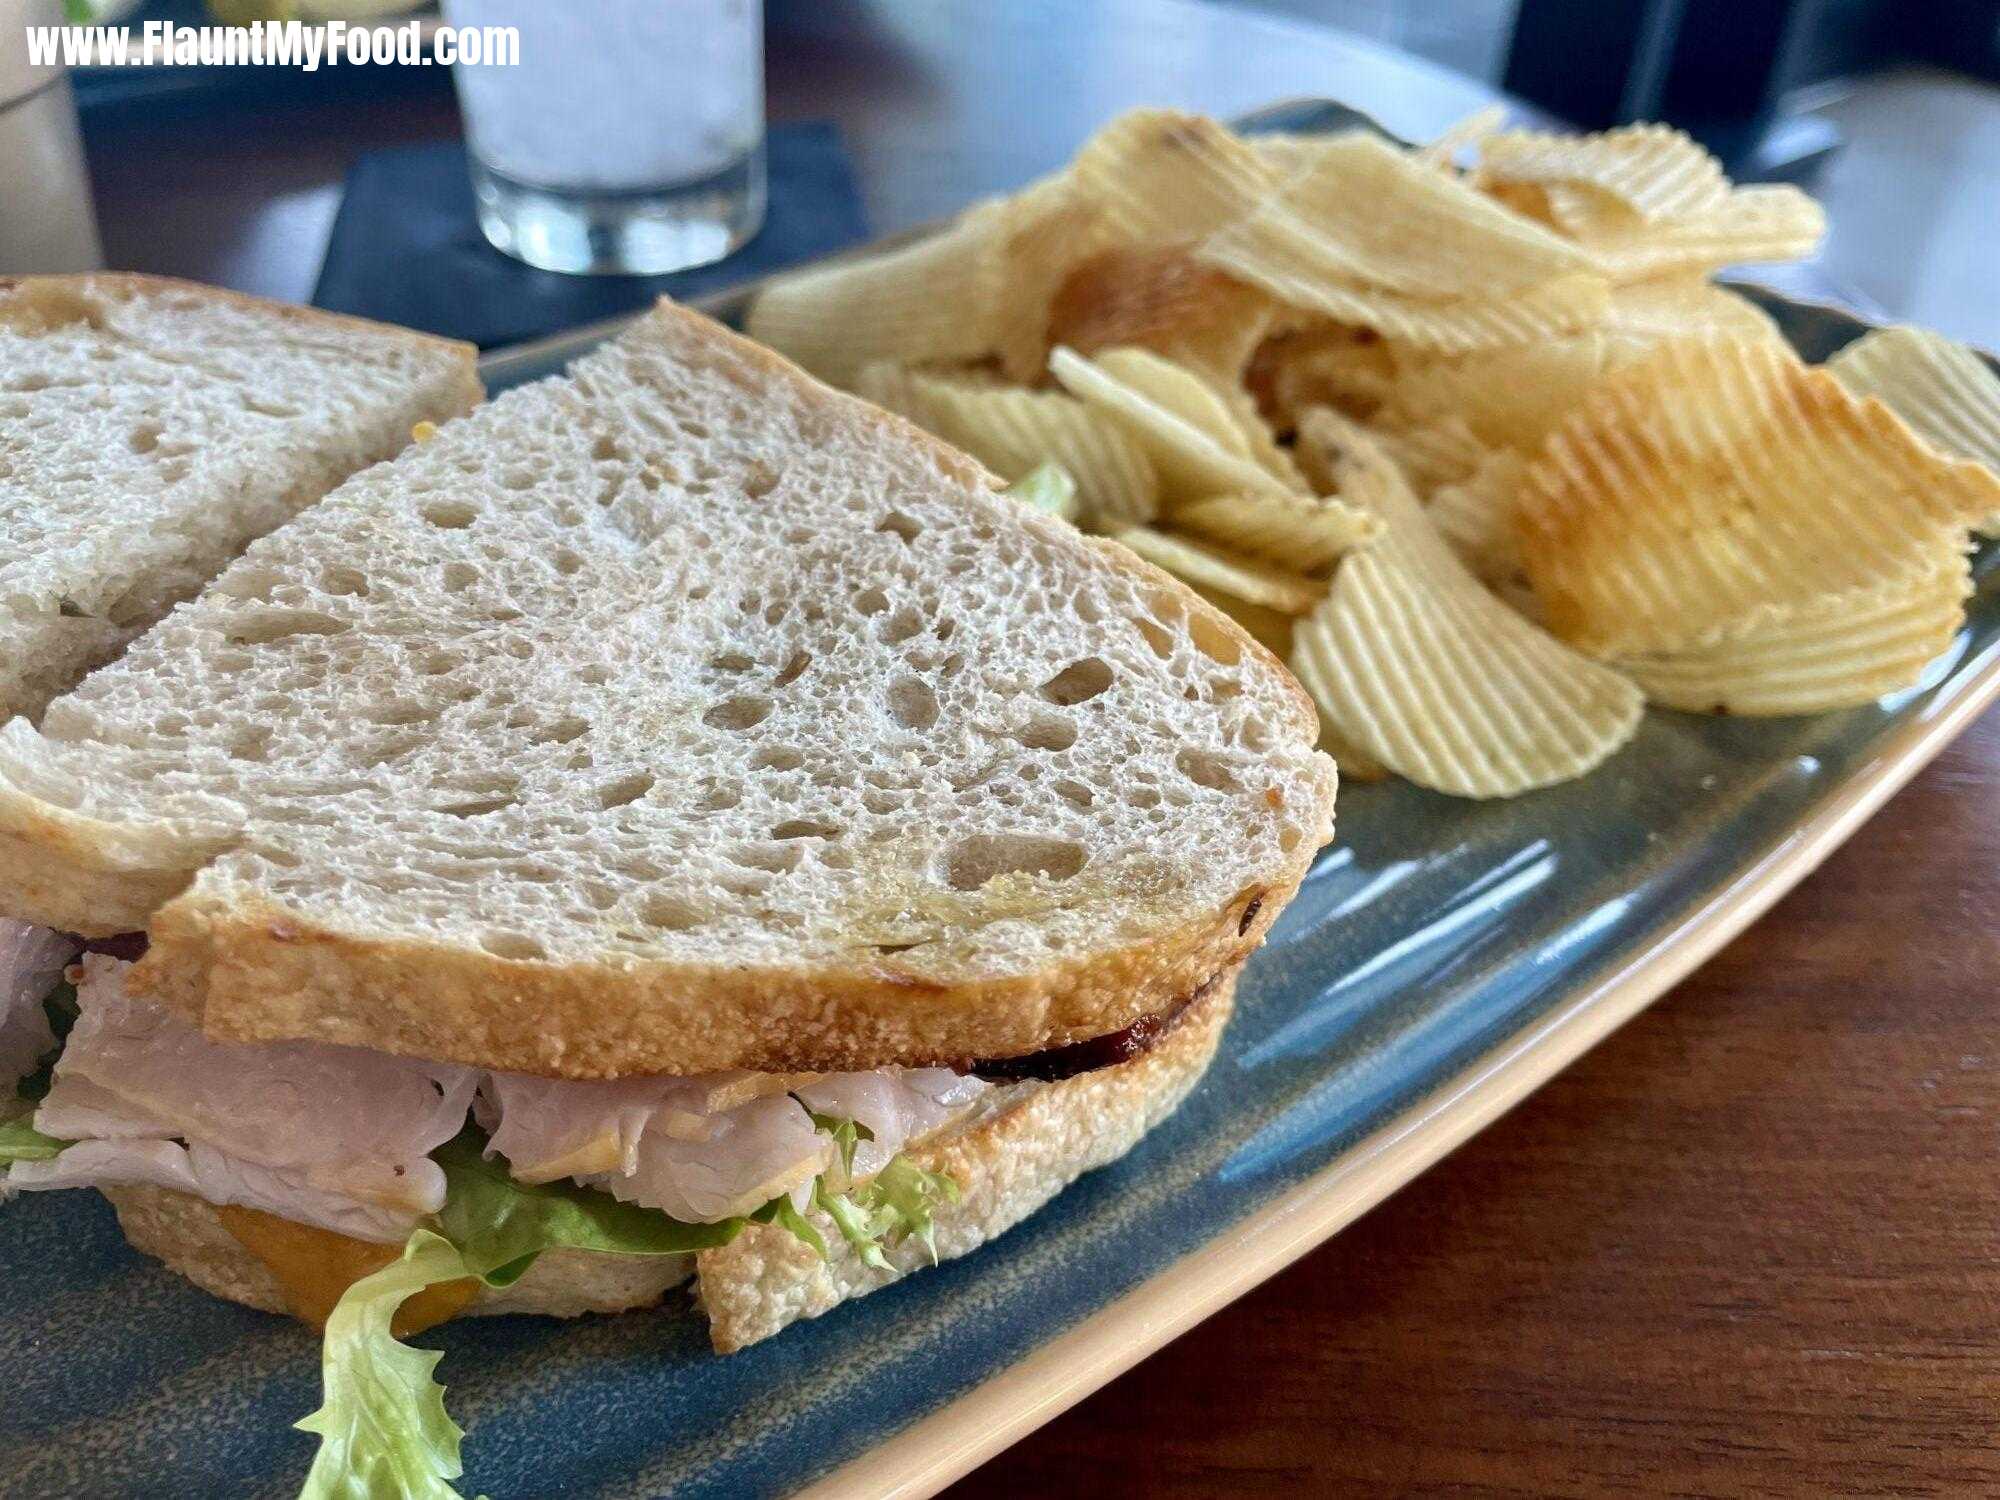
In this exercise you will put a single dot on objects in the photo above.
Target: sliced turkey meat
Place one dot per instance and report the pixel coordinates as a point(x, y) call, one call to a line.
point(341, 1120)
point(711, 1147)
point(31, 961)
point(217, 1177)
point(899, 1106)
point(549, 1128)
point(341, 1137)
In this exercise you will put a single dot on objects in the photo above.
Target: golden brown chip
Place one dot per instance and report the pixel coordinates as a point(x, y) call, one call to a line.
point(1365, 214)
point(1653, 171)
point(1821, 664)
point(1043, 231)
point(1717, 489)
point(1421, 669)
point(1507, 397)
point(1567, 304)
point(1364, 234)
point(1286, 152)
point(1271, 627)
point(1327, 364)
point(1162, 299)
point(1948, 395)
point(1260, 441)
point(1211, 567)
point(1013, 431)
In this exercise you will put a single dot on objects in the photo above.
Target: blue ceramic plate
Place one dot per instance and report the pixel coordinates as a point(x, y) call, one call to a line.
point(1442, 959)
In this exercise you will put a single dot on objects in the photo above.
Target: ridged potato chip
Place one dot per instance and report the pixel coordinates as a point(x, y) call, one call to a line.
point(1364, 213)
point(1364, 234)
point(1189, 432)
point(1948, 395)
point(1012, 431)
point(1771, 222)
point(1285, 152)
point(1508, 398)
point(1301, 533)
point(939, 299)
point(1162, 299)
point(1225, 572)
point(1042, 232)
point(1567, 304)
point(1160, 177)
point(1820, 665)
point(1643, 313)
point(1258, 439)
point(1415, 664)
point(1292, 154)
point(1476, 516)
point(1653, 171)
point(1324, 365)
point(1427, 455)
point(1717, 489)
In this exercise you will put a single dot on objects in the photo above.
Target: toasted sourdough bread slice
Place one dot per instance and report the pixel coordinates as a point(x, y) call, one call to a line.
point(1009, 1161)
point(150, 428)
point(680, 714)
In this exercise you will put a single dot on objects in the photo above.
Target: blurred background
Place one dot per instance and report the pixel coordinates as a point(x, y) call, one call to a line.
point(886, 113)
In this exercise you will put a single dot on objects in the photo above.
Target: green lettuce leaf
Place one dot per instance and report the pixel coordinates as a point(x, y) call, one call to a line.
point(20, 1141)
point(900, 1201)
point(383, 1430)
point(908, 1197)
point(500, 1225)
point(857, 1222)
point(1047, 488)
point(846, 1134)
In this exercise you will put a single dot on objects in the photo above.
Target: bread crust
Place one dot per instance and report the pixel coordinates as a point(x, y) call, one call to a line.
point(249, 972)
point(1008, 1160)
point(128, 282)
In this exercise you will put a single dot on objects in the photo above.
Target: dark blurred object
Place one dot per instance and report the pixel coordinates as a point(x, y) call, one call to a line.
point(1723, 69)
point(407, 249)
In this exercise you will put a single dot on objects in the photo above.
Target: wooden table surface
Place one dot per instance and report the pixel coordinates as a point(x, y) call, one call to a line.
point(1746, 1247)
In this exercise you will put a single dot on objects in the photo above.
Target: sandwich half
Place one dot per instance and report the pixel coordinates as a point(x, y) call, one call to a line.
point(677, 821)
point(150, 428)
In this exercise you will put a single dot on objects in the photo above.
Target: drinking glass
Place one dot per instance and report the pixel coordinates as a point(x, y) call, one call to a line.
point(628, 137)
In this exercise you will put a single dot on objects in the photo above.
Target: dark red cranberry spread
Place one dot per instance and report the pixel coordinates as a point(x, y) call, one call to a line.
point(1057, 1063)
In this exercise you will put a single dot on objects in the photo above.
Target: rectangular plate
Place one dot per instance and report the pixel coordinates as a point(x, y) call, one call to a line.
point(1442, 960)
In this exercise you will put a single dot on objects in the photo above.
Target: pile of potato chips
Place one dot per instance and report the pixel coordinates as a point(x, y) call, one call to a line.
point(1481, 452)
